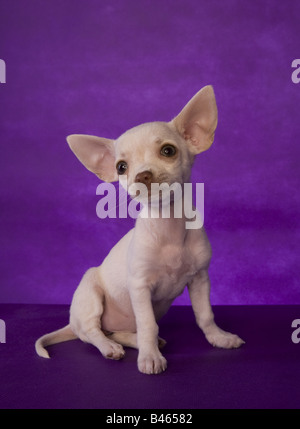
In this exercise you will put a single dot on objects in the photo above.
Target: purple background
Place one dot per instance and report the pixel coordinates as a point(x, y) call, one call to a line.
point(101, 67)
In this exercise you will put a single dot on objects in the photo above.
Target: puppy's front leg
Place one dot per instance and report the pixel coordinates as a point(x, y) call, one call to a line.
point(199, 290)
point(150, 360)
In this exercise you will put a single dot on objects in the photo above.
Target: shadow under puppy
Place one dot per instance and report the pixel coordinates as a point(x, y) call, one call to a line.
point(119, 303)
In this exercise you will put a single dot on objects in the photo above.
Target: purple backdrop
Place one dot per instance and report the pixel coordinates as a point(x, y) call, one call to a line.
point(101, 67)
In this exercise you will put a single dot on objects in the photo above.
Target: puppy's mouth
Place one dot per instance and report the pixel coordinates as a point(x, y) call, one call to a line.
point(155, 192)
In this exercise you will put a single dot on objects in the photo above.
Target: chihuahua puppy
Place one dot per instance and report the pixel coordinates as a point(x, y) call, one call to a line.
point(120, 302)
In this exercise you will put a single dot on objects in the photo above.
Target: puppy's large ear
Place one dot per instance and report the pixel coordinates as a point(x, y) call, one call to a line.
point(97, 154)
point(198, 120)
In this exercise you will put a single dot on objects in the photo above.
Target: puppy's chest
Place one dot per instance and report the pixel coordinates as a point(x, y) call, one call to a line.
point(175, 267)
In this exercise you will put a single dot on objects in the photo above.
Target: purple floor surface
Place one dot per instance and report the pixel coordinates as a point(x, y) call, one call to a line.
point(264, 373)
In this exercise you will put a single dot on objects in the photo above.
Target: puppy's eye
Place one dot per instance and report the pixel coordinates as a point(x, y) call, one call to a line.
point(168, 150)
point(121, 167)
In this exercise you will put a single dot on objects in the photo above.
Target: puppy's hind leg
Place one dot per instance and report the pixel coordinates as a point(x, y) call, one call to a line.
point(86, 312)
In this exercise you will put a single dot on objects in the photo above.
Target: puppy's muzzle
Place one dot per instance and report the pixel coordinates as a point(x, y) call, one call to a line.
point(145, 177)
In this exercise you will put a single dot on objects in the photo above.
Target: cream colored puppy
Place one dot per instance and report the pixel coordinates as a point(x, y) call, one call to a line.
point(119, 303)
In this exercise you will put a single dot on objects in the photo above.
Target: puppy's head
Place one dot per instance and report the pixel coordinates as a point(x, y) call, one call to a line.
point(156, 152)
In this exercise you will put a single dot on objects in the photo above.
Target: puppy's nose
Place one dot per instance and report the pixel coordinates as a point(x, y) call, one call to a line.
point(144, 177)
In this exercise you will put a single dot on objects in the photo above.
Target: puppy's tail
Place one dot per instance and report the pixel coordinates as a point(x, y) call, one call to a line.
point(59, 336)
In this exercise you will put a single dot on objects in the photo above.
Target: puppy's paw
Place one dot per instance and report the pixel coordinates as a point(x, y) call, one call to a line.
point(152, 363)
point(224, 340)
point(112, 350)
